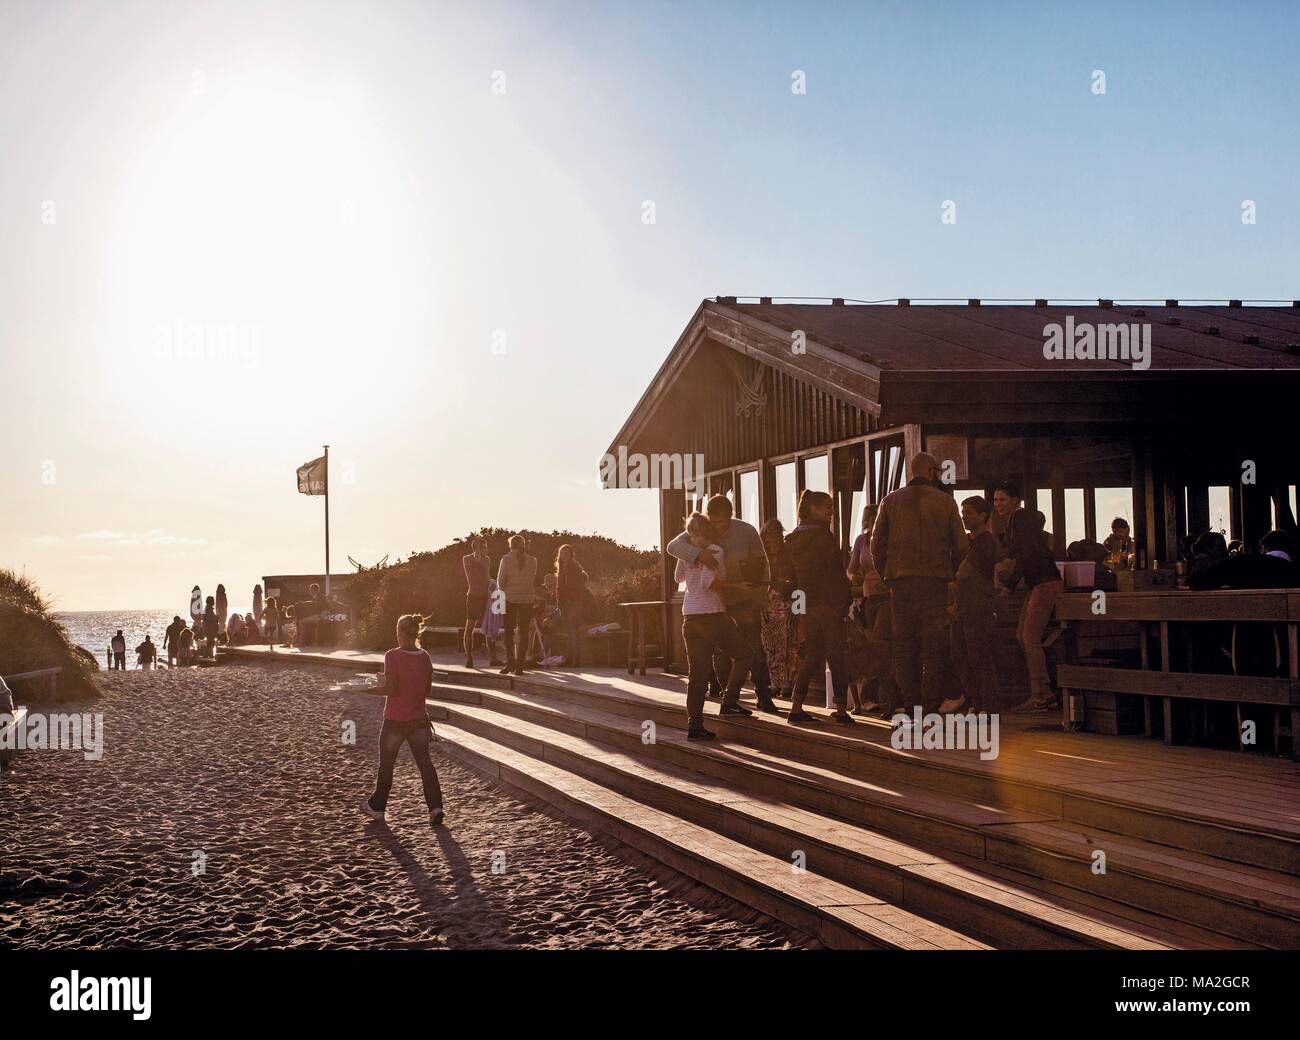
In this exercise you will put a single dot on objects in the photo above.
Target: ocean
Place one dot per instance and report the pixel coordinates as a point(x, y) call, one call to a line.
point(93, 629)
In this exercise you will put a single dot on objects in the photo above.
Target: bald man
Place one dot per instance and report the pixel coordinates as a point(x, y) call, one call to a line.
point(917, 544)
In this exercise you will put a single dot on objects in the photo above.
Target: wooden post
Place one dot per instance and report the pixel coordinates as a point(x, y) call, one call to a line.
point(672, 511)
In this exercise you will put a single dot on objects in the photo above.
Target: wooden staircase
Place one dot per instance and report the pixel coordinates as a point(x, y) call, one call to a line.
point(848, 839)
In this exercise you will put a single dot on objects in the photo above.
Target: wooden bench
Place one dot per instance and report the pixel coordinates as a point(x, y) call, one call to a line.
point(1159, 686)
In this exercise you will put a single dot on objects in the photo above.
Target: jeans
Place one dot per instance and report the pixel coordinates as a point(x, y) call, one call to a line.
point(919, 606)
point(392, 735)
point(572, 618)
point(1035, 613)
point(518, 615)
point(973, 642)
point(749, 621)
point(823, 645)
point(705, 635)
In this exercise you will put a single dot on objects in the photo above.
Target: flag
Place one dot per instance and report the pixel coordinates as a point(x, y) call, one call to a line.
point(311, 477)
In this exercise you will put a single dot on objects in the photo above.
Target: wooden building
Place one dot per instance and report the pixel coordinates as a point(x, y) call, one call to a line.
point(1186, 422)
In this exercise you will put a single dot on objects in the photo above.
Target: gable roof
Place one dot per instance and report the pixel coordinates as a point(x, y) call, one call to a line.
point(926, 362)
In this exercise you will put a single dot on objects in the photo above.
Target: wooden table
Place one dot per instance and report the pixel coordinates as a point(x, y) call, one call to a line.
point(638, 613)
point(1156, 682)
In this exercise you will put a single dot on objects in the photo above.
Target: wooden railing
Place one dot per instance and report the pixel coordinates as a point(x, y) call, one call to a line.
point(1154, 611)
point(18, 716)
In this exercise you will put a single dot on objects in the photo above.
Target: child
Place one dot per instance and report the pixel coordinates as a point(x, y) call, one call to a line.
point(408, 673)
point(708, 628)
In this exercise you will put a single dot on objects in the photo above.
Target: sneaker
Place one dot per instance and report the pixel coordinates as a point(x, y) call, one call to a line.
point(1031, 706)
point(768, 706)
point(951, 705)
point(435, 817)
point(700, 734)
point(507, 669)
point(843, 718)
point(734, 709)
point(374, 814)
point(800, 716)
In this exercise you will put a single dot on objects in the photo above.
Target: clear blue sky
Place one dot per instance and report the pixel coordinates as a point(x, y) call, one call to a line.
point(473, 211)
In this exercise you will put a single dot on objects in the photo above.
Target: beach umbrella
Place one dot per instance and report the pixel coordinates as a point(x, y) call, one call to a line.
point(257, 602)
point(196, 603)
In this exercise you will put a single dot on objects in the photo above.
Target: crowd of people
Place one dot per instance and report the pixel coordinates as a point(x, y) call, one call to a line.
point(912, 621)
point(212, 624)
point(530, 616)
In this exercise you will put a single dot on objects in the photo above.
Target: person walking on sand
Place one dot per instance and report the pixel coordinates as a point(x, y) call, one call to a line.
point(476, 566)
point(517, 578)
point(172, 640)
point(118, 646)
point(146, 653)
point(408, 675)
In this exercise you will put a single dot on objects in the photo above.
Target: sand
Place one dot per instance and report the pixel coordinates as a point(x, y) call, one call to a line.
point(247, 766)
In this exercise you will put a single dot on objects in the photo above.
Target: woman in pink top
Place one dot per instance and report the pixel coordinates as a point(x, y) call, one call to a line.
point(708, 628)
point(408, 674)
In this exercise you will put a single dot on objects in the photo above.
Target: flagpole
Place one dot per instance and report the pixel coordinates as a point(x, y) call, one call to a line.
point(327, 520)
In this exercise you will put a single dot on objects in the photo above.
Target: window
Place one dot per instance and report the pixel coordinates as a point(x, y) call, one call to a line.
point(817, 473)
point(1075, 518)
point(786, 495)
point(1221, 510)
point(749, 496)
point(1109, 503)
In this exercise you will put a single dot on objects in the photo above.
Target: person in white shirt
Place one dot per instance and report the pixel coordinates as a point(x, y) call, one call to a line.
point(708, 628)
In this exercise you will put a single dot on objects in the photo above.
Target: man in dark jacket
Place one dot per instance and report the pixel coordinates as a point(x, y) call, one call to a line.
point(172, 640)
point(916, 545)
point(821, 581)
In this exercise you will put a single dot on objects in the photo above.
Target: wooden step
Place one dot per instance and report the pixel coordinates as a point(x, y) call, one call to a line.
point(1246, 902)
point(937, 885)
point(837, 915)
point(1161, 803)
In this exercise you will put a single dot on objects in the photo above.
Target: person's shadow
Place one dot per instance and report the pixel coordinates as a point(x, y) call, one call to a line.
point(434, 904)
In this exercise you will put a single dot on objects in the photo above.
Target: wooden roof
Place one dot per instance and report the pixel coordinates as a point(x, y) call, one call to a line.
point(998, 337)
point(945, 363)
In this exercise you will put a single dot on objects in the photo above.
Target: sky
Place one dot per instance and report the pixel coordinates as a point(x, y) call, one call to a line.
point(232, 233)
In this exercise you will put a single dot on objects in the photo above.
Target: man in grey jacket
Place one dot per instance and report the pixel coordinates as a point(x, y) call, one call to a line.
point(746, 562)
point(917, 544)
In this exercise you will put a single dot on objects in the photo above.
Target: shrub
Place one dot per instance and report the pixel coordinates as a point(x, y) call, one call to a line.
point(433, 583)
point(31, 639)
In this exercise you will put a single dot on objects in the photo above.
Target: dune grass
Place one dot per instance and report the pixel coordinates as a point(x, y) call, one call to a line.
point(31, 639)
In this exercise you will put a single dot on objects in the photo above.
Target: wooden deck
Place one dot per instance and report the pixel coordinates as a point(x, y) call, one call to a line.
point(1202, 847)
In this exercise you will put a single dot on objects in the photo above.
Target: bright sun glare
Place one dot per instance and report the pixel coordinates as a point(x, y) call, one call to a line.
point(255, 230)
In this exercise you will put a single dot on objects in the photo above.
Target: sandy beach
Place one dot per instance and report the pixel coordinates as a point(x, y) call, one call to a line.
point(244, 768)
